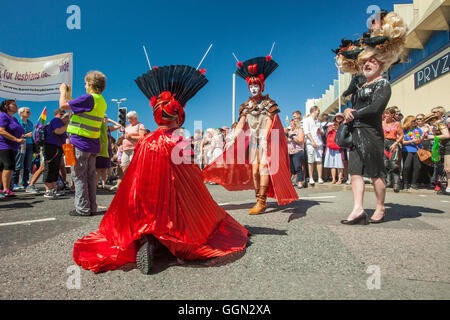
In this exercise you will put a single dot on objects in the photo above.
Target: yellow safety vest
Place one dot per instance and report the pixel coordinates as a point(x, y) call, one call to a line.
point(88, 124)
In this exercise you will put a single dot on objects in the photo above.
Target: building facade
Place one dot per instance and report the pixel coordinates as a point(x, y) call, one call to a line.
point(422, 81)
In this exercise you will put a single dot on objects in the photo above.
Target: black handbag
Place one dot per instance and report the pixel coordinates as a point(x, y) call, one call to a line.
point(344, 138)
point(36, 148)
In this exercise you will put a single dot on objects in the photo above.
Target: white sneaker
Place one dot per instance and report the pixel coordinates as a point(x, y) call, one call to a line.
point(320, 181)
point(32, 189)
point(49, 194)
point(311, 182)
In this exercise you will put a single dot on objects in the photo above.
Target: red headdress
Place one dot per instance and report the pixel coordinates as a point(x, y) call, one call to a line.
point(169, 88)
point(255, 78)
point(167, 109)
point(256, 70)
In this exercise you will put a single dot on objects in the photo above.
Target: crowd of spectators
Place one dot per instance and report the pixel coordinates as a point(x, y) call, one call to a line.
point(416, 151)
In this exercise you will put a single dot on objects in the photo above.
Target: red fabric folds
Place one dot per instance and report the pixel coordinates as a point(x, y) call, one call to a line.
point(233, 170)
point(167, 199)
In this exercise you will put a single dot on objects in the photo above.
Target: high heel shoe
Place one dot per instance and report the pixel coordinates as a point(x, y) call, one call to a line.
point(361, 219)
point(379, 220)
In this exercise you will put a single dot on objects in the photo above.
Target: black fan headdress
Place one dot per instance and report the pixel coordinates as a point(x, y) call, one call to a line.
point(182, 81)
point(264, 66)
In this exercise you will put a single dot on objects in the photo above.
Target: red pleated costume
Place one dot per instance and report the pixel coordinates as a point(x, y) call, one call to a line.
point(166, 200)
point(234, 171)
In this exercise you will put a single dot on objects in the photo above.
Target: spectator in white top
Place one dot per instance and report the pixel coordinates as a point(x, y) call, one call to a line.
point(314, 144)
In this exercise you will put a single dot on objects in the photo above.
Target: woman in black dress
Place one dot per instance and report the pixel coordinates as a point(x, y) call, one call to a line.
point(367, 154)
point(378, 50)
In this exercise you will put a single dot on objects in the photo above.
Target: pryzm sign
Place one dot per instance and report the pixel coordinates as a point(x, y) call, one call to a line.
point(432, 71)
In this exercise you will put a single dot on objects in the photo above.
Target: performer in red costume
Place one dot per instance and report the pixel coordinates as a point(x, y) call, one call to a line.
point(162, 197)
point(258, 158)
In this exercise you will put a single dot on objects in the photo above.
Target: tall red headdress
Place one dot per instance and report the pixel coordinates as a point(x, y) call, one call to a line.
point(256, 70)
point(169, 88)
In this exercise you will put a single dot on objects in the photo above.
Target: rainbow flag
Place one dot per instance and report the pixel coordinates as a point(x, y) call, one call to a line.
point(43, 118)
point(40, 123)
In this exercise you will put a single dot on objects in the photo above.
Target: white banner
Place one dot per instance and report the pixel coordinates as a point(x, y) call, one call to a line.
point(34, 79)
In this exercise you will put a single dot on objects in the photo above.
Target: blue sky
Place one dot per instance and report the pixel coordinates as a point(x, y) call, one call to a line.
point(179, 32)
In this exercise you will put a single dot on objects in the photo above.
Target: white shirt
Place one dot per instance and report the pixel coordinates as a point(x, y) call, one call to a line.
point(310, 126)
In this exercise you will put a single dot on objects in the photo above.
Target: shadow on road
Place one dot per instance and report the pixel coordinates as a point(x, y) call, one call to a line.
point(19, 205)
point(265, 231)
point(396, 212)
point(297, 208)
point(242, 206)
point(103, 192)
point(99, 213)
point(164, 259)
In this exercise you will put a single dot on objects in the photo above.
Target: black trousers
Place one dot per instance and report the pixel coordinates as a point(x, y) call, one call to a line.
point(296, 161)
point(52, 162)
point(411, 167)
point(7, 159)
point(392, 163)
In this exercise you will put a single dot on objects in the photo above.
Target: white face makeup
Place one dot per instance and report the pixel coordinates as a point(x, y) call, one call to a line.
point(254, 89)
point(371, 68)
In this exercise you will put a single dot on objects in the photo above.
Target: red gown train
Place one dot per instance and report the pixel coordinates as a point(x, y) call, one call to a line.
point(233, 169)
point(166, 200)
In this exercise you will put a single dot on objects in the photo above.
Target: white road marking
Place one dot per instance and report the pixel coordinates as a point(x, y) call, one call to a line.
point(445, 201)
point(323, 197)
point(26, 222)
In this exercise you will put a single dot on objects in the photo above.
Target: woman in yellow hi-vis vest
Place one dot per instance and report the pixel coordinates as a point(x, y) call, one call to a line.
point(84, 128)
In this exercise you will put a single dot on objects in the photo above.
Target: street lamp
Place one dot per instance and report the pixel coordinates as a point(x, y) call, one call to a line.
point(234, 98)
point(118, 107)
point(339, 86)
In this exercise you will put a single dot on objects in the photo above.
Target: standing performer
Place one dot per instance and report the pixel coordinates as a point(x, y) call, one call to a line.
point(382, 49)
point(259, 160)
point(162, 198)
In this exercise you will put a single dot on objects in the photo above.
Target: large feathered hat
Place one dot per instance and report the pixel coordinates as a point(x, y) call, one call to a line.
point(169, 88)
point(386, 44)
point(347, 56)
point(256, 70)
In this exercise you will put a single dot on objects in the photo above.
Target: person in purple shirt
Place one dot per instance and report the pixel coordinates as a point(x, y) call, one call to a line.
point(53, 151)
point(86, 149)
point(84, 103)
point(11, 137)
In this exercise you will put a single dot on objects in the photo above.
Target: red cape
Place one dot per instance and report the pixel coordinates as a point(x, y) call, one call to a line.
point(169, 201)
point(233, 170)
